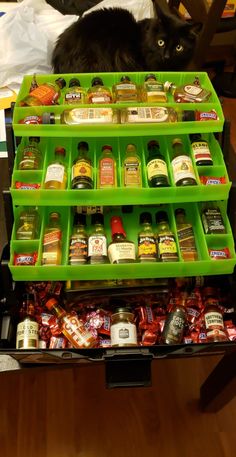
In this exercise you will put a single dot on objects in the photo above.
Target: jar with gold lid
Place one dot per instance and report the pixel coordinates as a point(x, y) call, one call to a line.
point(123, 328)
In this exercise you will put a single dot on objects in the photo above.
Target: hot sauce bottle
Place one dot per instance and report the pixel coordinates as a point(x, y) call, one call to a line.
point(120, 250)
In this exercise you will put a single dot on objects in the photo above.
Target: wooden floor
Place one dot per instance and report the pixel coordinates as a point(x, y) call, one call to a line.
point(69, 413)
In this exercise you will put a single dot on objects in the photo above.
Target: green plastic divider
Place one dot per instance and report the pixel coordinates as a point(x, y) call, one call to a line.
point(203, 266)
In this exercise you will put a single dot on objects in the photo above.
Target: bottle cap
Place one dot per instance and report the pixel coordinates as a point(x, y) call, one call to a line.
point(83, 145)
point(79, 219)
point(177, 141)
point(61, 82)
point(131, 148)
point(145, 217)
point(195, 137)
point(153, 143)
point(48, 118)
point(107, 146)
point(161, 216)
point(150, 75)
point(127, 209)
point(117, 225)
point(54, 215)
point(59, 150)
point(50, 303)
point(180, 211)
point(188, 115)
point(74, 82)
point(125, 78)
point(36, 139)
point(121, 310)
point(97, 218)
point(97, 82)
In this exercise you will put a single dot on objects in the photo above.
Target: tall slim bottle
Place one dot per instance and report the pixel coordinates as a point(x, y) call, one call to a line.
point(56, 174)
point(51, 254)
point(107, 169)
point(132, 167)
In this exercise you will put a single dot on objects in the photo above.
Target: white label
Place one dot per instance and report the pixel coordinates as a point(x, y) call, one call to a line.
point(213, 319)
point(121, 251)
point(201, 151)
point(192, 89)
point(182, 168)
point(27, 335)
point(55, 172)
point(145, 114)
point(89, 115)
point(97, 245)
point(123, 334)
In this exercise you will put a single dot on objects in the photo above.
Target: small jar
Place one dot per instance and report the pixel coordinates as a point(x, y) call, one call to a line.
point(123, 328)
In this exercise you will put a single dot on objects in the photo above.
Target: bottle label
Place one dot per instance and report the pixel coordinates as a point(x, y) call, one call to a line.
point(167, 246)
point(52, 237)
point(82, 168)
point(121, 251)
point(78, 250)
point(100, 98)
point(147, 247)
point(74, 329)
point(27, 335)
point(30, 158)
point(127, 86)
point(201, 151)
point(156, 167)
point(45, 94)
point(174, 327)
point(213, 320)
point(123, 333)
point(155, 89)
point(97, 245)
point(132, 174)
point(148, 114)
point(192, 89)
point(89, 116)
point(187, 242)
point(186, 233)
point(107, 172)
point(182, 168)
point(55, 172)
point(73, 97)
point(212, 221)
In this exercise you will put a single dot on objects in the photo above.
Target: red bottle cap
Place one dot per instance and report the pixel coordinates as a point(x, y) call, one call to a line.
point(50, 303)
point(117, 226)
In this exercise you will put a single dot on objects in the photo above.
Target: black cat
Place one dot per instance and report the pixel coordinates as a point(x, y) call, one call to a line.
point(110, 39)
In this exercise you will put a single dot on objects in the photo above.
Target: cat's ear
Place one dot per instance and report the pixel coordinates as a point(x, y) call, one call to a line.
point(161, 8)
point(196, 28)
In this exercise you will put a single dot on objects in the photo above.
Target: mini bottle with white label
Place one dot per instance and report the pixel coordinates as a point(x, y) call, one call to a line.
point(98, 93)
point(182, 165)
point(56, 174)
point(27, 334)
point(201, 151)
point(97, 241)
point(123, 328)
point(125, 91)
point(120, 250)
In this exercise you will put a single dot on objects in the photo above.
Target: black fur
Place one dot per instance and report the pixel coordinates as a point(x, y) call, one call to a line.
point(110, 39)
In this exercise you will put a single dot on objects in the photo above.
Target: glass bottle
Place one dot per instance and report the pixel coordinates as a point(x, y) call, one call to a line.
point(47, 93)
point(213, 318)
point(72, 327)
point(125, 90)
point(212, 219)
point(120, 250)
point(7, 324)
point(79, 241)
point(82, 169)
point(166, 244)
point(123, 328)
point(185, 236)
point(75, 94)
point(77, 116)
point(147, 251)
point(97, 241)
point(28, 225)
point(132, 167)
point(176, 320)
point(27, 334)
point(201, 151)
point(31, 157)
point(107, 169)
point(188, 93)
point(182, 165)
point(51, 251)
point(98, 93)
point(56, 174)
point(156, 166)
point(152, 90)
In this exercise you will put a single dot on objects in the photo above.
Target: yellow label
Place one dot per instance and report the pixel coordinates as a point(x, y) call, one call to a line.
point(82, 168)
point(156, 167)
point(167, 244)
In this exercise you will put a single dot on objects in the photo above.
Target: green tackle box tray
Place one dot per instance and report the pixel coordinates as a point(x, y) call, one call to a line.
point(203, 266)
point(120, 195)
point(118, 129)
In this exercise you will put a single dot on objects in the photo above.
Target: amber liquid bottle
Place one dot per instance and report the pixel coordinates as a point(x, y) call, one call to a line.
point(153, 90)
point(125, 91)
point(98, 93)
point(31, 157)
point(51, 254)
point(75, 94)
point(120, 250)
point(182, 165)
point(166, 245)
point(56, 174)
point(78, 254)
point(27, 335)
point(186, 236)
point(107, 169)
point(82, 169)
point(132, 167)
point(47, 93)
point(215, 330)
point(176, 320)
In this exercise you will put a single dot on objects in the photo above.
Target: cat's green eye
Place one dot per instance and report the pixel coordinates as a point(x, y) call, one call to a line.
point(161, 43)
point(179, 48)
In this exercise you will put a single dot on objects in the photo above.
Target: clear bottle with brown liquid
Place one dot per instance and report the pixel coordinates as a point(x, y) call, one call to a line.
point(188, 93)
point(98, 93)
point(28, 225)
point(125, 90)
point(75, 94)
point(82, 169)
point(107, 175)
point(56, 174)
point(186, 236)
point(27, 336)
point(52, 249)
point(213, 318)
point(166, 244)
point(31, 157)
point(78, 254)
point(132, 174)
point(152, 90)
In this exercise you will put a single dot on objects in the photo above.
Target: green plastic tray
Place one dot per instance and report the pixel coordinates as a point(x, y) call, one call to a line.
point(110, 130)
point(203, 266)
point(119, 195)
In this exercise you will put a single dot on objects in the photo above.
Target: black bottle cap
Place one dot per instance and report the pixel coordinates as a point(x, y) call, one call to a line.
point(188, 115)
point(83, 145)
point(97, 82)
point(127, 209)
point(145, 217)
point(97, 218)
point(125, 78)
point(150, 75)
point(107, 146)
point(195, 137)
point(161, 216)
point(61, 82)
point(153, 143)
point(48, 118)
point(180, 211)
point(36, 139)
point(74, 82)
point(79, 219)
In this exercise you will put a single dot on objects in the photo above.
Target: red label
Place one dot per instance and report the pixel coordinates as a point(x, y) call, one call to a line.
point(45, 94)
point(52, 237)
